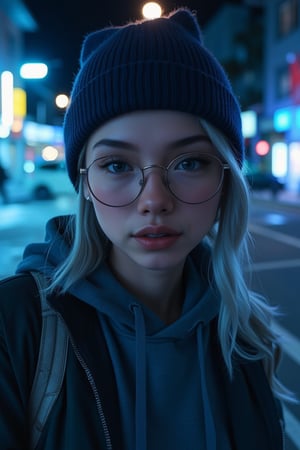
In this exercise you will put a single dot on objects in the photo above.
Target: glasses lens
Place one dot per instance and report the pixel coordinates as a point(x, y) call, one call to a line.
point(114, 181)
point(195, 177)
point(192, 178)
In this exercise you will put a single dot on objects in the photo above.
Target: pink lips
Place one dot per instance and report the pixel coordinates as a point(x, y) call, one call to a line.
point(156, 237)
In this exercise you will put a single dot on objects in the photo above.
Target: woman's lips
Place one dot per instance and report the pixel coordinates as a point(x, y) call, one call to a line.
point(156, 237)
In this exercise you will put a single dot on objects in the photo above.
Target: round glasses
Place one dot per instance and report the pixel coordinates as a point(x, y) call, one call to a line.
point(192, 178)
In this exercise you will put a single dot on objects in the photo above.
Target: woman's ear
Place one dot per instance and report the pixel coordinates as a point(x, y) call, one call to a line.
point(83, 187)
point(86, 191)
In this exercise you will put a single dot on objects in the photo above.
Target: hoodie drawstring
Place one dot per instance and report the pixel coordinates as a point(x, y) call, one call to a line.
point(209, 426)
point(141, 383)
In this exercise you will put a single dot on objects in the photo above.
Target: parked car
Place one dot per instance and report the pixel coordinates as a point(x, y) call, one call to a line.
point(264, 181)
point(48, 181)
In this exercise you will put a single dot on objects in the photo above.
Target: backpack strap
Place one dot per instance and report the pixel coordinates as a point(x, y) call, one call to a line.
point(51, 364)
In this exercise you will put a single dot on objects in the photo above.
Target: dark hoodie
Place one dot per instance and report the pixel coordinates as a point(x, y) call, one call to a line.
point(170, 394)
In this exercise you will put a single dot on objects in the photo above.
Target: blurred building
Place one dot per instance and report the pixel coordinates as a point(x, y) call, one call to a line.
point(259, 45)
point(24, 143)
point(235, 36)
point(15, 20)
point(280, 123)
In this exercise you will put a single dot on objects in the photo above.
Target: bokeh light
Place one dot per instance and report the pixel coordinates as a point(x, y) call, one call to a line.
point(151, 10)
point(34, 71)
point(49, 153)
point(62, 101)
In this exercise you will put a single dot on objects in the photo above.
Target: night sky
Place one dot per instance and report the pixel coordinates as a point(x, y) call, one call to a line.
point(64, 23)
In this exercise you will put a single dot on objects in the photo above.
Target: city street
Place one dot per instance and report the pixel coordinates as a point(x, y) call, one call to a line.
point(23, 223)
point(275, 229)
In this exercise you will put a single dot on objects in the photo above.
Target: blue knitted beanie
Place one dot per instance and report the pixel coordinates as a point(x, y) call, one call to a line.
point(154, 64)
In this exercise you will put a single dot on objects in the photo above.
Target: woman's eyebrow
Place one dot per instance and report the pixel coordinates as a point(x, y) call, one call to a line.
point(115, 143)
point(190, 140)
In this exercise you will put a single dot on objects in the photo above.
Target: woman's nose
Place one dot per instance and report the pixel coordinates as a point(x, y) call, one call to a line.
point(155, 197)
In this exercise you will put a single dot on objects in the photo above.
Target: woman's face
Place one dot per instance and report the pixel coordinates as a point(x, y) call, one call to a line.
point(156, 231)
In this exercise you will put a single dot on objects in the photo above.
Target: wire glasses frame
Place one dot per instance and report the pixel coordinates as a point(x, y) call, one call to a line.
point(192, 178)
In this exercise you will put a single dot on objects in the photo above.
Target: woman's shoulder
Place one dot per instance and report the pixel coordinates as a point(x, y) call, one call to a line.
point(20, 332)
point(19, 302)
point(20, 324)
point(17, 289)
point(19, 280)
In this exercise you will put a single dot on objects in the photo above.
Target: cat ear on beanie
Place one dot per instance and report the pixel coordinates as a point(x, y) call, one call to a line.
point(159, 64)
point(93, 41)
point(188, 21)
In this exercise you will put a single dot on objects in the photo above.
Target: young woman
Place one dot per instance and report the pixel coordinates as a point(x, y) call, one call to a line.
point(169, 348)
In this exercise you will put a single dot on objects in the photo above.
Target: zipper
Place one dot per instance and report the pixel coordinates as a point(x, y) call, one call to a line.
point(93, 386)
point(96, 395)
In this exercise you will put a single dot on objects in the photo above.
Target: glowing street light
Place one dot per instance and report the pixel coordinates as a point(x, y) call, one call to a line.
point(49, 153)
point(34, 71)
point(7, 98)
point(7, 103)
point(62, 101)
point(151, 10)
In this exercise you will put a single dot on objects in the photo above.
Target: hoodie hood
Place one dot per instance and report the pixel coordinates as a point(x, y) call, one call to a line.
point(46, 256)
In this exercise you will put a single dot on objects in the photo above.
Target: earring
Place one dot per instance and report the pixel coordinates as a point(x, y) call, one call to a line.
point(88, 198)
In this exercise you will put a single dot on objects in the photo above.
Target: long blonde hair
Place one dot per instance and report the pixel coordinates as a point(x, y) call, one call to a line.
point(245, 323)
point(245, 318)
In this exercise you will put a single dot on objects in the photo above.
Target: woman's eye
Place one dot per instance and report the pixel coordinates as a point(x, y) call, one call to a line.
point(115, 166)
point(118, 167)
point(191, 164)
